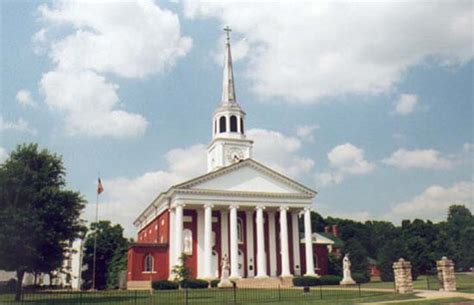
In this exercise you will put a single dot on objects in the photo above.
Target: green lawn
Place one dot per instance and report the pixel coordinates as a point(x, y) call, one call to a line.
point(207, 297)
point(434, 302)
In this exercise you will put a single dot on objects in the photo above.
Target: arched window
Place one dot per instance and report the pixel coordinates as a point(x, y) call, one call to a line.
point(148, 263)
point(222, 126)
point(240, 230)
point(188, 241)
point(233, 123)
point(241, 125)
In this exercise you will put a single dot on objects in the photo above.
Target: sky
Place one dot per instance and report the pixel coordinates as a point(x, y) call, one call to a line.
point(370, 104)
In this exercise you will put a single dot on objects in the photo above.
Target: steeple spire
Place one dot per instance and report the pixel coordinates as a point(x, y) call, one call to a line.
point(228, 88)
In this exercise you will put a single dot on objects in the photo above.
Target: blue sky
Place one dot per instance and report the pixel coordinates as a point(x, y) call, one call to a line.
point(371, 105)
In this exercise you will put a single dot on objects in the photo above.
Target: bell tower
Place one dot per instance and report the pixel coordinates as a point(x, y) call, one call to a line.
point(229, 143)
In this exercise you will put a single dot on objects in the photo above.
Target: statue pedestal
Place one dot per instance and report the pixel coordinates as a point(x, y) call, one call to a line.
point(225, 283)
point(347, 281)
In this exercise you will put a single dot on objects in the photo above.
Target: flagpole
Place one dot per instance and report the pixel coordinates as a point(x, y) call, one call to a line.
point(95, 239)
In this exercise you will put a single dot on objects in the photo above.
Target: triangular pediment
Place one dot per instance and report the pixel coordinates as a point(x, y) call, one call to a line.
point(247, 176)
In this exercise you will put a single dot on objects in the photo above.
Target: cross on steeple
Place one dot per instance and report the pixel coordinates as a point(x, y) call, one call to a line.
point(227, 29)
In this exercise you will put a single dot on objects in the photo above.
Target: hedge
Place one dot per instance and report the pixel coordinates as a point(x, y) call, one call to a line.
point(214, 283)
point(195, 283)
point(302, 281)
point(164, 285)
point(360, 278)
point(330, 279)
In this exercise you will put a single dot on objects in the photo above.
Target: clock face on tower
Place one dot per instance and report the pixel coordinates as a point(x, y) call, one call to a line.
point(234, 154)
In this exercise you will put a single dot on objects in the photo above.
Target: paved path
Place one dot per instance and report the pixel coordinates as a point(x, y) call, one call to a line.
point(431, 295)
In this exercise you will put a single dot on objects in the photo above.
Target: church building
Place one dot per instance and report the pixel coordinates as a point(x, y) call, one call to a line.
point(239, 208)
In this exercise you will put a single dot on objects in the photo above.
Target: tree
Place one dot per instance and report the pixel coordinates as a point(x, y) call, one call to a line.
point(391, 252)
point(181, 270)
point(117, 265)
point(38, 216)
point(460, 228)
point(358, 256)
point(110, 244)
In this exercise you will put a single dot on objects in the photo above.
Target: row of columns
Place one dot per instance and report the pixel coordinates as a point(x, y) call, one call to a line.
point(261, 256)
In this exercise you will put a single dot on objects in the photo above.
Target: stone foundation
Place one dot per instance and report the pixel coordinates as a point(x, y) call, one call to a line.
point(403, 278)
point(447, 280)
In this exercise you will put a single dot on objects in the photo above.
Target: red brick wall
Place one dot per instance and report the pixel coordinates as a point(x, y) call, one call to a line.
point(156, 231)
point(321, 252)
point(136, 263)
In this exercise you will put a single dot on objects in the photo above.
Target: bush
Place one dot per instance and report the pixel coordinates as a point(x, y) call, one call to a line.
point(214, 283)
point(360, 278)
point(195, 283)
point(164, 285)
point(303, 281)
point(330, 279)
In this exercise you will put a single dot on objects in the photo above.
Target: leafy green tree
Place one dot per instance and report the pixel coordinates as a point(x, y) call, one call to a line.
point(110, 243)
point(38, 216)
point(182, 271)
point(460, 227)
point(117, 265)
point(358, 256)
point(335, 264)
point(391, 252)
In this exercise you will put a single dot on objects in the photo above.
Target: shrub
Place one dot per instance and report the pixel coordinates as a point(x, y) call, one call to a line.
point(302, 281)
point(214, 283)
point(330, 279)
point(360, 278)
point(164, 285)
point(195, 283)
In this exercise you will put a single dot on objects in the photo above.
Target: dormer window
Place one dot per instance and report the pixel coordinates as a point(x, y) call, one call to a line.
point(233, 123)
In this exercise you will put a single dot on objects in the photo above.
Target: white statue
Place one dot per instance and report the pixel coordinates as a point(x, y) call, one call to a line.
point(346, 267)
point(225, 267)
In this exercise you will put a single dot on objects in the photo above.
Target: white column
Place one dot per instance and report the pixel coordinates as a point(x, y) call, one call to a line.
point(272, 243)
point(200, 243)
point(249, 242)
point(172, 239)
point(261, 261)
point(208, 241)
point(308, 242)
point(234, 246)
point(178, 232)
point(285, 255)
point(296, 243)
point(224, 233)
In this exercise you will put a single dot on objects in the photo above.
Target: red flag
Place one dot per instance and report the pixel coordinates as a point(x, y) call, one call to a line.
point(100, 188)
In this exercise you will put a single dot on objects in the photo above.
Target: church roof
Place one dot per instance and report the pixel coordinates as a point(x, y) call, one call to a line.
point(189, 185)
point(247, 162)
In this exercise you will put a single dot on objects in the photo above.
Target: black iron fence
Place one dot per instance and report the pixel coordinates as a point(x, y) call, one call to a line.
point(464, 282)
point(189, 296)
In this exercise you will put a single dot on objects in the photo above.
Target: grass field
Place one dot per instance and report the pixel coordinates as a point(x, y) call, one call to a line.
point(207, 297)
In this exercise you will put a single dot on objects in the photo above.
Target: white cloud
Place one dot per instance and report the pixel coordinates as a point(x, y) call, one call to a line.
point(303, 51)
point(131, 39)
point(124, 198)
point(280, 152)
point(3, 154)
point(406, 104)
point(418, 158)
point(468, 147)
point(345, 160)
point(305, 132)
point(434, 202)
point(20, 125)
point(23, 97)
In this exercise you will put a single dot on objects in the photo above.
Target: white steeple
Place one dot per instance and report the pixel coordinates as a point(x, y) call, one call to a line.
point(229, 143)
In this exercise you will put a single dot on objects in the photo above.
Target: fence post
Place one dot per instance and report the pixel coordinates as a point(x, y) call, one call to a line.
point(234, 286)
point(186, 295)
point(321, 291)
point(80, 297)
point(359, 290)
point(428, 282)
point(135, 298)
point(279, 293)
